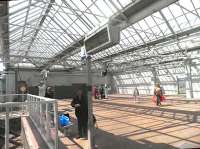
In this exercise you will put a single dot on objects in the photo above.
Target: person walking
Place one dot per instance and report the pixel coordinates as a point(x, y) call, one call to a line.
point(79, 102)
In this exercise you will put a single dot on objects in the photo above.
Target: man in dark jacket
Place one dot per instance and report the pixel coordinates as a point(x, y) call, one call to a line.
point(79, 102)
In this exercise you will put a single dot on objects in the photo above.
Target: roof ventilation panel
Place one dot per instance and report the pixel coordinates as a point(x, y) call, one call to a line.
point(101, 38)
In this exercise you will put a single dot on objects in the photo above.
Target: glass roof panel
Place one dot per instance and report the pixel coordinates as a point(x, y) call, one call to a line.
point(103, 6)
point(96, 10)
point(66, 22)
point(176, 10)
point(142, 32)
point(17, 5)
point(70, 20)
point(124, 3)
point(196, 3)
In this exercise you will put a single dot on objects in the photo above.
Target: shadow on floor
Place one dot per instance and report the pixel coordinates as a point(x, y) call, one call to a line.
point(106, 140)
point(191, 116)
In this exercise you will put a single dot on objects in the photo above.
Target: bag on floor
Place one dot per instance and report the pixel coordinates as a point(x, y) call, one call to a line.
point(64, 120)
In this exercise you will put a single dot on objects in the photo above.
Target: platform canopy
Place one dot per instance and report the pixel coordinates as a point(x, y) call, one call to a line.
point(39, 34)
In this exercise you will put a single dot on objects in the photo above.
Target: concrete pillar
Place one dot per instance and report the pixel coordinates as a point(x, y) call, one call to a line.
point(189, 88)
point(10, 82)
point(10, 85)
point(90, 107)
point(154, 80)
point(7, 128)
point(112, 83)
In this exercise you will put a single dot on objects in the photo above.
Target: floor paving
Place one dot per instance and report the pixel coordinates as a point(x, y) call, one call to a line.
point(125, 124)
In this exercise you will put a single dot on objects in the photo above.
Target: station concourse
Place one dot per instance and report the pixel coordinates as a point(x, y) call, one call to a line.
point(99, 74)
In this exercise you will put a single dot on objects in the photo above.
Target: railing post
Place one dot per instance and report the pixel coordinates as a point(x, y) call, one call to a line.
point(7, 128)
point(31, 106)
point(41, 112)
point(48, 120)
point(28, 106)
point(23, 105)
point(37, 112)
point(56, 124)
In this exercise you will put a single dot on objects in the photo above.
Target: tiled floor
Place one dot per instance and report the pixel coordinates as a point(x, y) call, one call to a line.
point(124, 124)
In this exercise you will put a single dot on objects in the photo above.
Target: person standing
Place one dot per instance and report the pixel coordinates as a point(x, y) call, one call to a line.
point(102, 92)
point(158, 94)
point(79, 102)
point(96, 93)
point(135, 94)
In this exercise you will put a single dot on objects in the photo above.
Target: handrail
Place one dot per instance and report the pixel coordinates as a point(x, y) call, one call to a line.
point(38, 108)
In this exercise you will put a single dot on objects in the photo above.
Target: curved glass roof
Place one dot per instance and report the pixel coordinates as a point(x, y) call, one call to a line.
point(40, 30)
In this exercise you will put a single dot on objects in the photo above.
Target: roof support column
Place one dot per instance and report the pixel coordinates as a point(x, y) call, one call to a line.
point(4, 32)
point(189, 88)
point(90, 106)
point(113, 84)
point(154, 79)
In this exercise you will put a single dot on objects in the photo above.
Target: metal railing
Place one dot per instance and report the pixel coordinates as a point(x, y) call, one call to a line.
point(42, 111)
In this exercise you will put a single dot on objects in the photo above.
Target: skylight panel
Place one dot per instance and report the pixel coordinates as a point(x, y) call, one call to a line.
point(193, 19)
point(96, 11)
point(158, 18)
point(18, 18)
point(167, 13)
point(94, 21)
point(79, 4)
point(18, 14)
point(174, 25)
point(196, 3)
point(125, 2)
point(66, 19)
point(183, 23)
point(13, 3)
point(82, 26)
point(143, 24)
point(17, 33)
point(131, 40)
point(102, 5)
point(18, 7)
point(79, 30)
point(59, 2)
point(176, 10)
point(144, 37)
point(165, 29)
point(111, 5)
point(150, 21)
point(187, 4)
